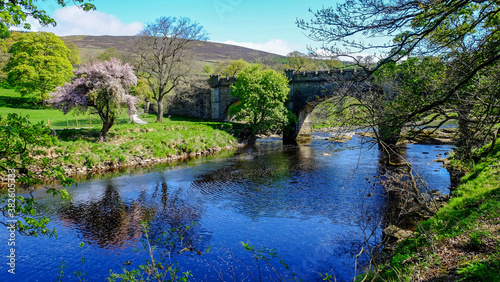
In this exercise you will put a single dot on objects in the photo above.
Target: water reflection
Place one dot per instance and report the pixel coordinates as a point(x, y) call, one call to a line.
point(109, 222)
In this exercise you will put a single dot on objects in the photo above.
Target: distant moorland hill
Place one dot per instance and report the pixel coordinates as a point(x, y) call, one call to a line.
point(204, 51)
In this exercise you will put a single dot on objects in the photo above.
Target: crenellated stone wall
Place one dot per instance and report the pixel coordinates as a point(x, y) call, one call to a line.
point(307, 89)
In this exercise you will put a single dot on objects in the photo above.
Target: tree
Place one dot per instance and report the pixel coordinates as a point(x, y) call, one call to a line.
point(207, 69)
point(332, 64)
point(103, 87)
point(234, 67)
point(39, 63)
point(24, 162)
point(109, 53)
point(262, 95)
point(463, 33)
point(15, 12)
point(74, 53)
point(163, 55)
point(300, 62)
point(143, 92)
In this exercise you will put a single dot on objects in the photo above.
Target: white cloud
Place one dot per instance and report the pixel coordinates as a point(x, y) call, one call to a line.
point(74, 21)
point(276, 46)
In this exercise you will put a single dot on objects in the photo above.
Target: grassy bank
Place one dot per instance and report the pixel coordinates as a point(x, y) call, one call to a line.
point(127, 144)
point(131, 142)
point(462, 241)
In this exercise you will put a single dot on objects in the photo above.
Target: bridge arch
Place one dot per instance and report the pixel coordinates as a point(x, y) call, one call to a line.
point(307, 89)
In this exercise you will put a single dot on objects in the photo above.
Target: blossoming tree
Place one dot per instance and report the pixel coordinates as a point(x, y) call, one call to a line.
point(103, 87)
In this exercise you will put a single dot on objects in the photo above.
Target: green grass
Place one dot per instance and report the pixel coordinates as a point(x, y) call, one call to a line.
point(154, 140)
point(79, 144)
point(12, 102)
point(468, 226)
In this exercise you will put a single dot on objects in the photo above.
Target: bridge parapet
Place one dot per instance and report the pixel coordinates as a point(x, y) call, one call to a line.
point(320, 76)
point(306, 89)
point(219, 81)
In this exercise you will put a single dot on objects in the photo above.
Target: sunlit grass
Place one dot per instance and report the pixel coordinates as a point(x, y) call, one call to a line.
point(128, 141)
point(78, 134)
point(12, 102)
point(469, 225)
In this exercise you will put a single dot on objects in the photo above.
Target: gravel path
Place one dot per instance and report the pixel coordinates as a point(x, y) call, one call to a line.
point(137, 120)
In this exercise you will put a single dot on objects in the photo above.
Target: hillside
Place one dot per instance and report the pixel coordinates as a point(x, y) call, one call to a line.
point(204, 51)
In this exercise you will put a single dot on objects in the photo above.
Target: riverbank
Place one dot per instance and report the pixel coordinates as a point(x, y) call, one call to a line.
point(131, 145)
point(461, 242)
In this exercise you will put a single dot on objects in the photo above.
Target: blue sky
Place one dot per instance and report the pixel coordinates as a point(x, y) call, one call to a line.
point(259, 24)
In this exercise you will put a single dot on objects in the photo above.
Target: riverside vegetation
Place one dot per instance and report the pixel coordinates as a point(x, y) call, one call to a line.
point(461, 242)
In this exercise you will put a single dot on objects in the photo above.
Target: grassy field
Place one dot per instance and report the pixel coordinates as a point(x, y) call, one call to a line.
point(12, 102)
point(126, 141)
point(155, 140)
point(462, 241)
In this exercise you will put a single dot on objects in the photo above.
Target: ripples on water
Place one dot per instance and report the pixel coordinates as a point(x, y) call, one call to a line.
point(309, 202)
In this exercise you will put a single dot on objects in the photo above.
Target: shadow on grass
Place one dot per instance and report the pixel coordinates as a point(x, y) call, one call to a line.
point(84, 134)
point(20, 103)
point(238, 130)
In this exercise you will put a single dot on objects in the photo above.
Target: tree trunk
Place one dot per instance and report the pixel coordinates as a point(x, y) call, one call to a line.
point(159, 113)
point(388, 138)
point(106, 125)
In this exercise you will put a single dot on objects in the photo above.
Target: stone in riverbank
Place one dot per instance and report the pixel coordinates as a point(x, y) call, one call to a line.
point(393, 234)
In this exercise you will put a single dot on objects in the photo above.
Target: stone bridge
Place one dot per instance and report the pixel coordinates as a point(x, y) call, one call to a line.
point(307, 89)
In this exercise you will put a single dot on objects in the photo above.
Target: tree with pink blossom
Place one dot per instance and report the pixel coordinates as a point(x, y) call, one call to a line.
point(101, 87)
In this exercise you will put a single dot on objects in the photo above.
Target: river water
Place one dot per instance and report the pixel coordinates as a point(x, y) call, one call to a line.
point(314, 203)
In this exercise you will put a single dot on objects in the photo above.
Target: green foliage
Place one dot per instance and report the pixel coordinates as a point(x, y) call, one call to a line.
point(262, 95)
point(142, 90)
point(15, 12)
point(233, 68)
point(21, 147)
point(480, 271)
point(300, 62)
point(23, 159)
point(81, 273)
point(110, 52)
point(474, 206)
point(62, 266)
point(338, 112)
point(267, 256)
point(39, 64)
point(164, 268)
point(74, 53)
point(475, 239)
point(207, 69)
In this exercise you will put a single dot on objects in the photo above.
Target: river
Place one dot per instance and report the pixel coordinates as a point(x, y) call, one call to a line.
point(313, 203)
